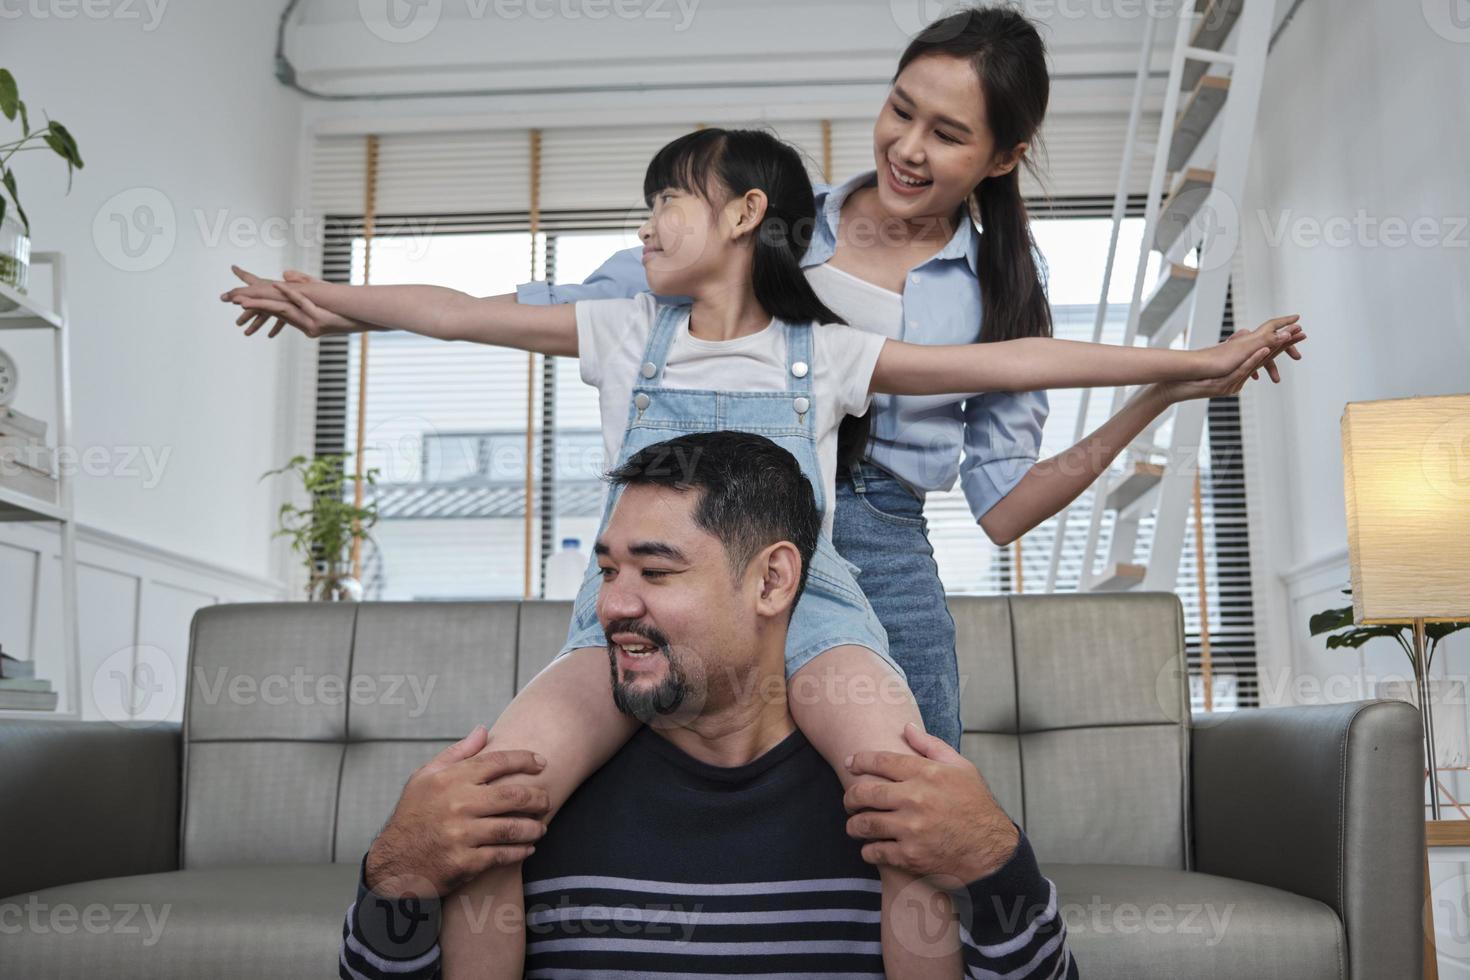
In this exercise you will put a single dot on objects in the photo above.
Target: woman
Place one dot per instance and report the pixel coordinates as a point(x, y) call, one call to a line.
point(897, 251)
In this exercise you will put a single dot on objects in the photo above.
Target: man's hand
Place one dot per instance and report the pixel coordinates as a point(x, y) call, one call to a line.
point(449, 826)
point(928, 816)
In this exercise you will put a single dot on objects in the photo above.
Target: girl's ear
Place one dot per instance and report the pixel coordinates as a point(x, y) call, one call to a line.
point(1006, 162)
point(746, 212)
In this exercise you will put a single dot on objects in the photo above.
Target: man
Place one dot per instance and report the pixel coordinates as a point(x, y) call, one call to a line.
point(717, 840)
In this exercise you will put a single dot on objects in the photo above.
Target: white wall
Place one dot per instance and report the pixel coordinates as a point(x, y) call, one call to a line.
point(1364, 133)
point(175, 416)
point(175, 108)
point(136, 604)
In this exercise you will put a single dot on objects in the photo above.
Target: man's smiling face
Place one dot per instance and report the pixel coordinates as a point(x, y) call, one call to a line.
point(678, 624)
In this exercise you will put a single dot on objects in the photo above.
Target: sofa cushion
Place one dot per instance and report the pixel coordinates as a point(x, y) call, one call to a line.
point(269, 920)
point(1130, 922)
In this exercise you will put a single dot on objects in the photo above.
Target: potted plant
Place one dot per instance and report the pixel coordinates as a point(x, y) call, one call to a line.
point(1442, 693)
point(324, 532)
point(15, 227)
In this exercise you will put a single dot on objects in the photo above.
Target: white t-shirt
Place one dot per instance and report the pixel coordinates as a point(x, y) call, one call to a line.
point(861, 303)
point(612, 335)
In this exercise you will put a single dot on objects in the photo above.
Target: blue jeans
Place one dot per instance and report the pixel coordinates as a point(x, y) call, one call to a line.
point(880, 527)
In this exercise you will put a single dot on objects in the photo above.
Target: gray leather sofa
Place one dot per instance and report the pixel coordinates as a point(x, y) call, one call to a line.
point(1280, 843)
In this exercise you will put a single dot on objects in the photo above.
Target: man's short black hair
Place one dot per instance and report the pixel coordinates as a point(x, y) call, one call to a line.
point(753, 491)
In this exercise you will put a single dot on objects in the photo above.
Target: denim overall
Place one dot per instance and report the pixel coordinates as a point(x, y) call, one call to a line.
point(832, 610)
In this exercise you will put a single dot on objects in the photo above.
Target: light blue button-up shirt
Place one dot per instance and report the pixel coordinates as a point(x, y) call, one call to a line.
point(918, 438)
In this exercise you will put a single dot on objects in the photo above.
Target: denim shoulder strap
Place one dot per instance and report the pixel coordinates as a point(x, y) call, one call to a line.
point(660, 338)
point(799, 356)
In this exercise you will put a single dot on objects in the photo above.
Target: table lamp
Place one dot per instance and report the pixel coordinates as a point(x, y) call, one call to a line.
point(1406, 479)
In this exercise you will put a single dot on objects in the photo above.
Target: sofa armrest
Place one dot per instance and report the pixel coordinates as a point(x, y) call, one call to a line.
point(81, 800)
point(1326, 801)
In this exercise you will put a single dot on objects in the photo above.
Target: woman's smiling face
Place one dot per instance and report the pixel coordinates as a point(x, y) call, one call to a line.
point(931, 143)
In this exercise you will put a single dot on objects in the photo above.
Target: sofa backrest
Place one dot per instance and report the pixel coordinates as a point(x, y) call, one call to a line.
point(303, 720)
point(1076, 711)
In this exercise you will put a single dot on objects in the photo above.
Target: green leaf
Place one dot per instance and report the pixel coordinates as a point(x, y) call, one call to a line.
point(1330, 619)
point(2, 208)
point(9, 180)
point(9, 94)
point(1355, 638)
point(25, 121)
point(1438, 631)
point(67, 142)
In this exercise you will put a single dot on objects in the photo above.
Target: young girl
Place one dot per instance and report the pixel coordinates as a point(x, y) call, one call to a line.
point(732, 215)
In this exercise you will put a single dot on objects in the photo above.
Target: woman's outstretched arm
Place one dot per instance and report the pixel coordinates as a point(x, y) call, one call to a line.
point(1051, 484)
point(1033, 363)
point(317, 308)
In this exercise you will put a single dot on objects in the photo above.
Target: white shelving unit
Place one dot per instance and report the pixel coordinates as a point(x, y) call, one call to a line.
point(29, 314)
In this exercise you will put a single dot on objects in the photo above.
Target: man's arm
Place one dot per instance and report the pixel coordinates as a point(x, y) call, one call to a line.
point(1010, 924)
point(453, 822)
point(386, 938)
point(935, 816)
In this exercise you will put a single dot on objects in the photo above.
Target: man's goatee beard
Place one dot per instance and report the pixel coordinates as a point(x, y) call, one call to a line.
point(647, 703)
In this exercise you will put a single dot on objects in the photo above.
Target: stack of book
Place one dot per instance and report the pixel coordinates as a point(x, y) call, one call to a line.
point(19, 687)
point(27, 464)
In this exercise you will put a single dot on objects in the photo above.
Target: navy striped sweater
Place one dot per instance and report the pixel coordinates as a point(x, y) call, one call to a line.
point(662, 865)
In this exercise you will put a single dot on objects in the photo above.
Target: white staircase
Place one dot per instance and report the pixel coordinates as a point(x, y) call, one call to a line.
point(1193, 220)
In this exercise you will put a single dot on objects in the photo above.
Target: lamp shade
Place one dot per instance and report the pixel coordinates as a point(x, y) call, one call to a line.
point(1406, 478)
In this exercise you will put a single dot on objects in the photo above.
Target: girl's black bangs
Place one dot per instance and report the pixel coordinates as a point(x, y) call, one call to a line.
point(687, 164)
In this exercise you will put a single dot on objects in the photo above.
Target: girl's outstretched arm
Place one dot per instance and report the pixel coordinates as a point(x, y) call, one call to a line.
point(1033, 363)
point(318, 307)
